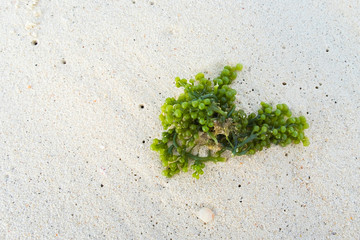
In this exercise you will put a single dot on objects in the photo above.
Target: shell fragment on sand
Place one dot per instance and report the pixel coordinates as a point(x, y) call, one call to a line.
point(206, 215)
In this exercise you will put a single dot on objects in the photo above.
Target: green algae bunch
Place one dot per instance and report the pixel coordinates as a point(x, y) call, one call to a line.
point(205, 115)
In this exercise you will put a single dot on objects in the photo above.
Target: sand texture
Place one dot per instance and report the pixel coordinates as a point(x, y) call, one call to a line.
point(81, 87)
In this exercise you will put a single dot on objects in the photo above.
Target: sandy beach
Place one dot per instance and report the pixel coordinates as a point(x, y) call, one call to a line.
point(81, 87)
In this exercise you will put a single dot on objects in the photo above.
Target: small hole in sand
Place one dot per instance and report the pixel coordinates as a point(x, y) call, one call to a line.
point(327, 50)
point(142, 106)
point(284, 83)
point(34, 42)
point(63, 61)
point(143, 141)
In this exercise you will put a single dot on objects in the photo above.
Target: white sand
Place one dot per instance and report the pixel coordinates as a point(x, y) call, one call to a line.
point(73, 162)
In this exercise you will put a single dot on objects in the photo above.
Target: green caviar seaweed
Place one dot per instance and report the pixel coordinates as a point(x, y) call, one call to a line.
point(205, 115)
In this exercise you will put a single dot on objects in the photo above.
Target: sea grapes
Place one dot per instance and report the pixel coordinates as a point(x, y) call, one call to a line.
point(205, 115)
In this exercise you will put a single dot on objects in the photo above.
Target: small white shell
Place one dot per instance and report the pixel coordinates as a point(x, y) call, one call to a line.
point(206, 215)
